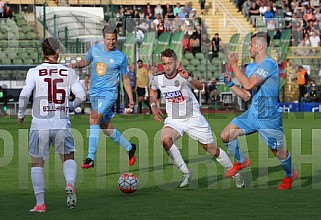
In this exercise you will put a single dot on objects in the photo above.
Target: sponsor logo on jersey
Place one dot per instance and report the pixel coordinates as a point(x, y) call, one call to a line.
point(261, 72)
point(175, 96)
point(176, 83)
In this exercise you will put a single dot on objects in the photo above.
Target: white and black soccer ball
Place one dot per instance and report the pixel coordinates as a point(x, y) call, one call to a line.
point(78, 110)
point(128, 183)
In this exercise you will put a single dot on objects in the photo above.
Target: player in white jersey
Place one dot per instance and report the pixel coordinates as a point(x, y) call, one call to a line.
point(183, 116)
point(51, 84)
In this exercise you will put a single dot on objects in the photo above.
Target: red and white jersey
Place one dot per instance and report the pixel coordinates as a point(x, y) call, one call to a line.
point(51, 85)
point(181, 103)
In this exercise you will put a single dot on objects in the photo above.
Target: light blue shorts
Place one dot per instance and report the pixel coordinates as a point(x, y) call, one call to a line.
point(103, 104)
point(40, 141)
point(270, 130)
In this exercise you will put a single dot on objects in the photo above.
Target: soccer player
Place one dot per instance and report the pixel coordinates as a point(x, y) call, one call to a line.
point(183, 115)
point(107, 65)
point(261, 82)
point(51, 84)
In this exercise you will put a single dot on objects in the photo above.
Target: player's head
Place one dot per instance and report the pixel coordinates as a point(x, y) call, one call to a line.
point(259, 43)
point(110, 37)
point(169, 61)
point(50, 49)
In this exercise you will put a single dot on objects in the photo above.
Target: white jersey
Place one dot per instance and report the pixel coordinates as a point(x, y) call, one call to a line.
point(181, 103)
point(51, 85)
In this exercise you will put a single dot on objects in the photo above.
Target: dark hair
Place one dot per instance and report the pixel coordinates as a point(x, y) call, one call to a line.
point(109, 30)
point(264, 35)
point(139, 61)
point(169, 53)
point(50, 46)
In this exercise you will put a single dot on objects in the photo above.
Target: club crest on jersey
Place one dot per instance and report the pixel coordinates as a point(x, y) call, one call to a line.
point(101, 68)
point(176, 83)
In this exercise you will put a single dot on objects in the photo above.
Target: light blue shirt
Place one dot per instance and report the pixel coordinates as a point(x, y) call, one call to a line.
point(107, 66)
point(265, 96)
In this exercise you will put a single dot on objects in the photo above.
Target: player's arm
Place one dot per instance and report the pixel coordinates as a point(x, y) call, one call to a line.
point(83, 62)
point(152, 101)
point(190, 78)
point(80, 64)
point(247, 83)
point(79, 92)
point(128, 88)
point(245, 95)
point(126, 80)
point(24, 97)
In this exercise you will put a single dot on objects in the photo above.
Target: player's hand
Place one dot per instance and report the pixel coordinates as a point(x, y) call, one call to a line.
point(72, 65)
point(131, 104)
point(20, 121)
point(232, 58)
point(183, 73)
point(157, 113)
point(228, 79)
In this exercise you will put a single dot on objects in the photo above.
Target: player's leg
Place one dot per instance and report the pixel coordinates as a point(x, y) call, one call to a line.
point(70, 172)
point(38, 183)
point(169, 135)
point(199, 129)
point(99, 105)
point(38, 149)
point(141, 99)
point(118, 138)
point(273, 137)
point(64, 145)
point(239, 126)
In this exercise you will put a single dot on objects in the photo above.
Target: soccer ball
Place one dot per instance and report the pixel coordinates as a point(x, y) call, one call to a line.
point(128, 183)
point(78, 110)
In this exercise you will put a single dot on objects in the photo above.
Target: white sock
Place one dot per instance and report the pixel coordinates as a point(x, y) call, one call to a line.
point(224, 160)
point(38, 182)
point(70, 171)
point(177, 159)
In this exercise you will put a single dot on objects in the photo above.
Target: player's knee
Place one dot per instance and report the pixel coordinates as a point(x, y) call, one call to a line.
point(167, 142)
point(225, 136)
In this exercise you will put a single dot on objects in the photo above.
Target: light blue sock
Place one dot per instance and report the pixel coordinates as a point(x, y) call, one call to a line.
point(287, 165)
point(234, 149)
point(118, 138)
point(93, 141)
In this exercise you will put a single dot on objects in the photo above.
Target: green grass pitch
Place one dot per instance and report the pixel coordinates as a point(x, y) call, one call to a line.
point(210, 195)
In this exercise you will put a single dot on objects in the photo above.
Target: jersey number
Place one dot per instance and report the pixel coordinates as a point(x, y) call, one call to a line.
point(53, 91)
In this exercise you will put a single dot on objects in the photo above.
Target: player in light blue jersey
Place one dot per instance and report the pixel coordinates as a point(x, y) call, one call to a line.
point(108, 64)
point(261, 82)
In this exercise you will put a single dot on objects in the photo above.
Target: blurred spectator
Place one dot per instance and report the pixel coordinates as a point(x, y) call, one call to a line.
point(268, 14)
point(195, 44)
point(149, 11)
point(202, 5)
point(212, 89)
point(1, 9)
point(192, 14)
point(297, 36)
point(254, 12)
point(198, 31)
point(7, 13)
point(136, 14)
point(158, 10)
point(167, 23)
point(186, 44)
point(156, 20)
point(300, 51)
point(4, 98)
point(182, 14)
point(142, 82)
point(160, 27)
point(216, 45)
point(262, 8)
point(302, 80)
point(312, 92)
point(188, 9)
point(177, 9)
point(205, 45)
point(168, 11)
